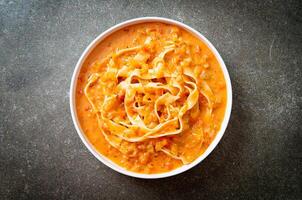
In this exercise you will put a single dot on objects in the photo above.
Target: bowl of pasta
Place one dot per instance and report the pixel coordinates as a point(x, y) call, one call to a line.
point(150, 97)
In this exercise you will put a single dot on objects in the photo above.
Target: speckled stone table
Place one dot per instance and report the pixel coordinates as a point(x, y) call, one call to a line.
point(41, 155)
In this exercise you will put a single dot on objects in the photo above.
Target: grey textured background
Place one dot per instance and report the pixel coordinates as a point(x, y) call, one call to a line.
point(41, 155)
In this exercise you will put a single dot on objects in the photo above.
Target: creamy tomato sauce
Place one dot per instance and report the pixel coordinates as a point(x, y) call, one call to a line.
point(187, 137)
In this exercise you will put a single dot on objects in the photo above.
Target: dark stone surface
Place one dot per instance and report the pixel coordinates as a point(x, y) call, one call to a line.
point(41, 155)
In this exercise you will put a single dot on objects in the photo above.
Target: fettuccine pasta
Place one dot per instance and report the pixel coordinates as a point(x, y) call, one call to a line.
point(151, 97)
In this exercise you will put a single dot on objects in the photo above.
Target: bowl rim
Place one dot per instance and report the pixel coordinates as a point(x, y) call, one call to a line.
point(106, 161)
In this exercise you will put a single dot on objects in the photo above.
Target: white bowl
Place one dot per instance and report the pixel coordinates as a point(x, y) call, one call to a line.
point(107, 161)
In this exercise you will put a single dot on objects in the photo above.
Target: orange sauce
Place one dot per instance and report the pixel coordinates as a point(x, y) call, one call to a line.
point(211, 72)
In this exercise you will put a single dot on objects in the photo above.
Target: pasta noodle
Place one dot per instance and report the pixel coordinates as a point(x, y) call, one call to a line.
point(151, 95)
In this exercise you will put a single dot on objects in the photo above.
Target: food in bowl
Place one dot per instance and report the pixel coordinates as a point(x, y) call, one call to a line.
point(151, 97)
